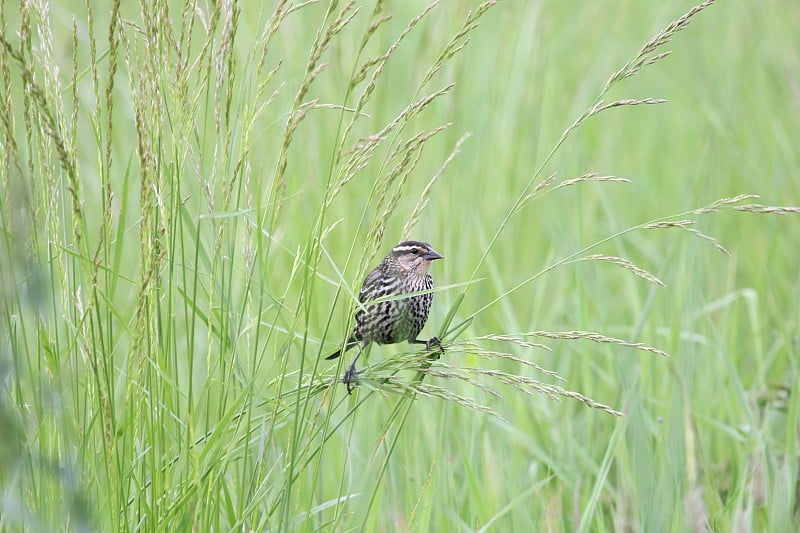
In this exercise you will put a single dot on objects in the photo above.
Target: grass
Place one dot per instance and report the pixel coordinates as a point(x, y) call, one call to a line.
point(191, 195)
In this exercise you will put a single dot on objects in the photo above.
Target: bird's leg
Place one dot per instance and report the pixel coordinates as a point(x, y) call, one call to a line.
point(350, 377)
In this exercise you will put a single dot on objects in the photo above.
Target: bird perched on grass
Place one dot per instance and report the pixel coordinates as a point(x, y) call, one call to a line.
point(403, 271)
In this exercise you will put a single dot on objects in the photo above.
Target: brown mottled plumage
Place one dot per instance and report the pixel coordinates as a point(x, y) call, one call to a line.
point(404, 270)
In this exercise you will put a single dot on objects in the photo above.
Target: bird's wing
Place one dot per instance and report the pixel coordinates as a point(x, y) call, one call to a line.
point(368, 289)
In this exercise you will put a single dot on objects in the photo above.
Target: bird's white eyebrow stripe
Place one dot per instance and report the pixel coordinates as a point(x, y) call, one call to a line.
point(410, 245)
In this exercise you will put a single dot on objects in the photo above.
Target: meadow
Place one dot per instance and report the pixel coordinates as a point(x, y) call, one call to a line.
point(192, 193)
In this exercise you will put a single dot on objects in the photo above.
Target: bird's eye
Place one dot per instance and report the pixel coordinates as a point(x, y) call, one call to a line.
point(415, 251)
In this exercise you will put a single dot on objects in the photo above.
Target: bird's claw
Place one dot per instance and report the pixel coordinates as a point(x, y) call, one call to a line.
point(434, 341)
point(350, 378)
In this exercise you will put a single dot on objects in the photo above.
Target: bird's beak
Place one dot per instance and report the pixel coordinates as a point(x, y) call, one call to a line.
point(431, 255)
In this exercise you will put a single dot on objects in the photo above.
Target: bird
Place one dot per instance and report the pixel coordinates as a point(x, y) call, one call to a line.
point(404, 270)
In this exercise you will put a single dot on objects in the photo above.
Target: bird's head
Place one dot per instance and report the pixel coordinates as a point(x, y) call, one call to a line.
point(414, 256)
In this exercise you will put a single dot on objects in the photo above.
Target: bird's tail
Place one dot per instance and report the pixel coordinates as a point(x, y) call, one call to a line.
point(350, 343)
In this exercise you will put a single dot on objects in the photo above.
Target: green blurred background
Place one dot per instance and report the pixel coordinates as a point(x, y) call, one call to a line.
point(161, 371)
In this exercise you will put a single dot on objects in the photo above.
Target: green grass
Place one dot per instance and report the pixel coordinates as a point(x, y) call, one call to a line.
point(191, 198)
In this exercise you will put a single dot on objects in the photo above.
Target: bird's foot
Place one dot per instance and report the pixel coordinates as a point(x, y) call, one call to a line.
point(350, 378)
point(434, 341)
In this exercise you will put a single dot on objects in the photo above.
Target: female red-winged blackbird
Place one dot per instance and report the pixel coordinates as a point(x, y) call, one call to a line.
point(403, 271)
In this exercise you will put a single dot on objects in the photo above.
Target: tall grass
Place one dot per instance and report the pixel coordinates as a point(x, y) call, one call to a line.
point(191, 195)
